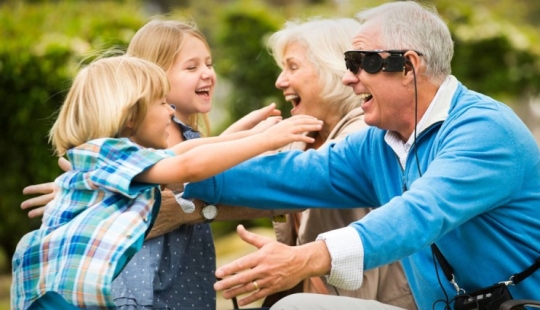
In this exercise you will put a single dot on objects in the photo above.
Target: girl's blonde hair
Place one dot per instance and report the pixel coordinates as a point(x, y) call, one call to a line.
point(105, 95)
point(160, 41)
point(325, 41)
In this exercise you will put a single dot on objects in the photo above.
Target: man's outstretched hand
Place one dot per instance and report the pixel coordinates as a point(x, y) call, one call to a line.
point(272, 268)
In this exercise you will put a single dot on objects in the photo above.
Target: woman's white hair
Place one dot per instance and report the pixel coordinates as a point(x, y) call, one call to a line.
point(408, 25)
point(325, 41)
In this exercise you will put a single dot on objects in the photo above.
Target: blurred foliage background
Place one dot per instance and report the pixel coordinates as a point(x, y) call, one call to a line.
point(42, 44)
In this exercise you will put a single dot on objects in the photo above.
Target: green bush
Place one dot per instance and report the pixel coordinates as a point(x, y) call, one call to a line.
point(42, 46)
point(243, 59)
point(493, 55)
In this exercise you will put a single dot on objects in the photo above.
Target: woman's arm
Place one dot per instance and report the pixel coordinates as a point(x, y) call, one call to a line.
point(36, 205)
point(171, 216)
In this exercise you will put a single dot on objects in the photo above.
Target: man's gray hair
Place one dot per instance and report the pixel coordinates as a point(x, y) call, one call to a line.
point(409, 25)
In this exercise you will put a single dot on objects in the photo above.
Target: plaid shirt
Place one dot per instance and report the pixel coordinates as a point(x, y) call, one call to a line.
point(90, 230)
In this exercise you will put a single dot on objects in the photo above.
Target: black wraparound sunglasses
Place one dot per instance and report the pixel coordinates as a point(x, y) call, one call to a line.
point(372, 62)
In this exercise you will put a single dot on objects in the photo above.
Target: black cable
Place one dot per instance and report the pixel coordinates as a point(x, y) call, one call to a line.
point(445, 301)
point(415, 119)
point(234, 300)
point(235, 303)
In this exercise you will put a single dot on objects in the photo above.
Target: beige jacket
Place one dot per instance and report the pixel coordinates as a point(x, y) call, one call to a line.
point(386, 284)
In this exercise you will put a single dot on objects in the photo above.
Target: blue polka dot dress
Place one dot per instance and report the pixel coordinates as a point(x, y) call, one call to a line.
point(173, 271)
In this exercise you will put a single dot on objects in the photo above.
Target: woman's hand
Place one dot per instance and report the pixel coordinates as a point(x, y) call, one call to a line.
point(36, 205)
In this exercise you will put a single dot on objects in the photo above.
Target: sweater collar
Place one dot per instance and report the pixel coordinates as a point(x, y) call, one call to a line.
point(437, 112)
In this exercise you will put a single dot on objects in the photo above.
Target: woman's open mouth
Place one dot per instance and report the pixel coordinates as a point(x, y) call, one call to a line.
point(295, 100)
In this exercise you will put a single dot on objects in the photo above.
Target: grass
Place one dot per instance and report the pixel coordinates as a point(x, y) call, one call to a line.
point(5, 282)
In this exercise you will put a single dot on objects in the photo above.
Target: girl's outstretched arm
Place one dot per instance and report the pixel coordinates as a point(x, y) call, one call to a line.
point(204, 160)
point(252, 119)
point(185, 146)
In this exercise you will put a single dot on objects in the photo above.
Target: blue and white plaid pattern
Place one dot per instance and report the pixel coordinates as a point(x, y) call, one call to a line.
point(98, 217)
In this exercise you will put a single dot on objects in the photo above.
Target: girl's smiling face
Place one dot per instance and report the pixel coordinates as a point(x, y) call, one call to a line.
point(192, 79)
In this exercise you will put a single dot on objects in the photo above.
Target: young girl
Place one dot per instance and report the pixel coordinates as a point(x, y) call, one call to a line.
point(176, 269)
point(110, 126)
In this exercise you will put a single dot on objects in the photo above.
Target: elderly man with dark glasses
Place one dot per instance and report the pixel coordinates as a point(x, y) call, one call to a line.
point(455, 175)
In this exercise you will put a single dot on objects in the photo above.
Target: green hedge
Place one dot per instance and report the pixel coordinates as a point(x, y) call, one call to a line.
point(41, 48)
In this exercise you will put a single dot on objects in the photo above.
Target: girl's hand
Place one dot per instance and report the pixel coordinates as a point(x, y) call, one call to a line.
point(253, 118)
point(267, 123)
point(291, 130)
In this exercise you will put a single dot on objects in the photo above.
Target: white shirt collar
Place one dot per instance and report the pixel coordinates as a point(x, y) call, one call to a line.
point(436, 112)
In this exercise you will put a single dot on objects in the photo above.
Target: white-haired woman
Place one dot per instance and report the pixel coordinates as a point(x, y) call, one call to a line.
point(310, 54)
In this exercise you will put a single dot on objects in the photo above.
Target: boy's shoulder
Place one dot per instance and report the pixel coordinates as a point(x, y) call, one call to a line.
point(96, 151)
point(108, 144)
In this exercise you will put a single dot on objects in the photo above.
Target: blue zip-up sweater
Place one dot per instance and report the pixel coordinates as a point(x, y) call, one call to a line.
point(478, 196)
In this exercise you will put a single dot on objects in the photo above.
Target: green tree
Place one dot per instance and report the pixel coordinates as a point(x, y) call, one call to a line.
point(243, 59)
point(492, 55)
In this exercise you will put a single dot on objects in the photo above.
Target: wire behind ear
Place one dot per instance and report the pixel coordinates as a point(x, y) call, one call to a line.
point(407, 66)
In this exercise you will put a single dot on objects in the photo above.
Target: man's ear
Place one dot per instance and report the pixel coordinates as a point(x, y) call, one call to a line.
point(407, 67)
point(413, 63)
